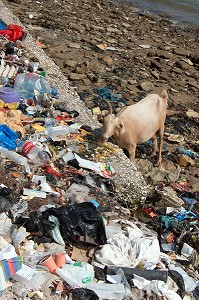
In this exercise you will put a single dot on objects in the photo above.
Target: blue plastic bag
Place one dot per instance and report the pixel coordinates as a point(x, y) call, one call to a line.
point(8, 137)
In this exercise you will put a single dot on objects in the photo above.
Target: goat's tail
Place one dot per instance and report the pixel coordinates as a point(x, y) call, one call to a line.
point(164, 96)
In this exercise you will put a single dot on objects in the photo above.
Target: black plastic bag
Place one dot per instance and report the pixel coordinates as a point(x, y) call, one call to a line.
point(178, 279)
point(36, 223)
point(84, 294)
point(6, 200)
point(81, 222)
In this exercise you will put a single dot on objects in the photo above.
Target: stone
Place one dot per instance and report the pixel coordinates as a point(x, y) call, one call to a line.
point(70, 63)
point(192, 114)
point(158, 174)
point(81, 70)
point(182, 51)
point(74, 45)
point(131, 87)
point(194, 84)
point(75, 76)
point(155, 64)
point(195, 58)
point(98, 28)
point(97, 110)
point(95, 66)
point(107, 60)
point(155, 74)
point(112, 29)
point(195, 187)
point(77, 27)
point(147, 86)
point(182, 65)
point(169, 198)
point(132, 81)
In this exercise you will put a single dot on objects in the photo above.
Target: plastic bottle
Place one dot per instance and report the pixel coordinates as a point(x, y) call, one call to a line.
point(1, 69)
point(12, 72)
point(25, 84)
point(49, 122)
point(15, 157)
point(60, 130)
point(6, 71)
point(32, 151)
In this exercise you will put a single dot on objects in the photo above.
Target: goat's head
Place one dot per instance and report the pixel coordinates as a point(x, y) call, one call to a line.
point(112, 125)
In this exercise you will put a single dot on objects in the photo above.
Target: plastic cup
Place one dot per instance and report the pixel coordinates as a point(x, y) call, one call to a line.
point(60, 259)
point(49, 262)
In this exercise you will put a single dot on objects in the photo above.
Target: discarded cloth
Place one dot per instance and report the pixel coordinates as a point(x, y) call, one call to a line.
point(13, 32)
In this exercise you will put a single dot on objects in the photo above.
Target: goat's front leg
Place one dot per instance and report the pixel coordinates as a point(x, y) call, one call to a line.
point(161, 134)
point(131, 150)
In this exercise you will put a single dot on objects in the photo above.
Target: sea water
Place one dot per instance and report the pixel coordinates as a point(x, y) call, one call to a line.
point(179, 10)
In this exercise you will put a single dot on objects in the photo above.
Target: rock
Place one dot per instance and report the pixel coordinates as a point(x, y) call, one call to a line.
point(81, 70)
point(111, 29)
point(111, 41)
point(157, 174)
point(147, 86)
point(74, 45)
point(75, 76)
point(132, 81)
point(70, 63)
point(107, 60)
point(192, 114)
point(77, 27)
point(195, 187)
point(182, 65)
point(155, 64)
point(95, 66)
point(155, 74)
point(144, 75)
point(182, 51)
point(169, 198)
point(184, 160)
point(194, 84)
point(195, 58)
point(98, 28)
point(96, 110)
point(131, 87)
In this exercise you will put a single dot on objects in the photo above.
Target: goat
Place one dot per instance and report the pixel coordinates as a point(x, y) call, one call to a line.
point(137, 123)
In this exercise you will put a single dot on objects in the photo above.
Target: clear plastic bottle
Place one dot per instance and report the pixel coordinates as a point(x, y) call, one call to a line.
point(15, 157)
point(25, 84)
point(60, 130)
point(33, 152)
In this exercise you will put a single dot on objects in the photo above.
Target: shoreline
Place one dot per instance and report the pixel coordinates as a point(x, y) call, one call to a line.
point(160, 14)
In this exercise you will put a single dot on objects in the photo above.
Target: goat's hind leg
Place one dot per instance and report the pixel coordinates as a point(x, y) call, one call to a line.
point(160, 134)
point(155, 146)
point(131, 151)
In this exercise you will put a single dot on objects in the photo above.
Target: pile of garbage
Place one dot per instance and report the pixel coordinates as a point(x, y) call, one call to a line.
point(61, 227)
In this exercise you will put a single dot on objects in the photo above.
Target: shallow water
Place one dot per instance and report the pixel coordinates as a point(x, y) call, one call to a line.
point(179, 10)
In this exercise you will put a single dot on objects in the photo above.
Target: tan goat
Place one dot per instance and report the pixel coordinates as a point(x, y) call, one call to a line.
point(137, 124)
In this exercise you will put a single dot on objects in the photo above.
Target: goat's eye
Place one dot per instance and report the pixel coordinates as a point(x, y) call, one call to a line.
point(121, 126)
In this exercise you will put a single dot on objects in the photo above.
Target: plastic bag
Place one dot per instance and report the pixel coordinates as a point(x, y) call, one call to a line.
point(83, 294)
point(7, 137)
point(80, 222)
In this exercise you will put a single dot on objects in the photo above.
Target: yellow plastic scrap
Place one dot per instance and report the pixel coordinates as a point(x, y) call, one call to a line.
point(38, 127)
point(84, 131)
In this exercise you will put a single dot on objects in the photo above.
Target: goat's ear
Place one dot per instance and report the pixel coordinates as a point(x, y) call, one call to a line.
point(121, 128)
